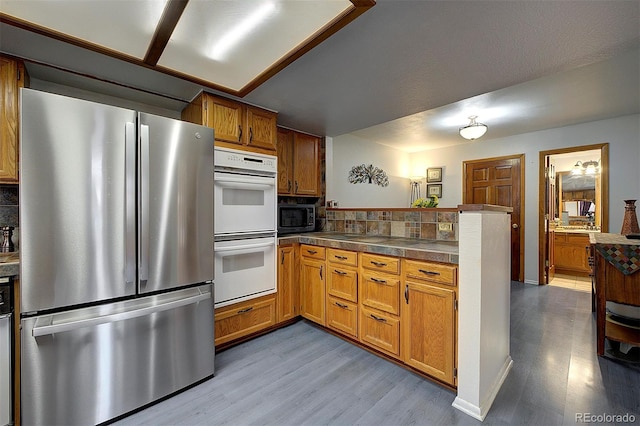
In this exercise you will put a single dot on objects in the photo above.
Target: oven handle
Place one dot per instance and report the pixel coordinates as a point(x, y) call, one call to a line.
point(232, 180)
point(248, 246)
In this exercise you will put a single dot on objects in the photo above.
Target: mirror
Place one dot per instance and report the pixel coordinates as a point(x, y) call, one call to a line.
point(577, 197)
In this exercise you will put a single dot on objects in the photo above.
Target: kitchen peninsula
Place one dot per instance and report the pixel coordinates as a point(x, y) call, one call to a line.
point(466, 279)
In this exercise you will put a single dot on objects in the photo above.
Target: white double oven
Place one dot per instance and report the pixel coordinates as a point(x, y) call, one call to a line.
point(245, 206)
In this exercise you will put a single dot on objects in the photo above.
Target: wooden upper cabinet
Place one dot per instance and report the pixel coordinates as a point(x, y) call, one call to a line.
point(235, 125)
point(12, 78)
point(226, 117)
point(298, 164)
point(285, 161)
point(261, 125)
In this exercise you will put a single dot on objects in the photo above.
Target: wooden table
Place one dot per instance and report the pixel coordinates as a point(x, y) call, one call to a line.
point(617, 277)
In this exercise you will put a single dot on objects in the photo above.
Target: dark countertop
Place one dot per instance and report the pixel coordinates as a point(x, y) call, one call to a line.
point(10, 266)
point(413, 248)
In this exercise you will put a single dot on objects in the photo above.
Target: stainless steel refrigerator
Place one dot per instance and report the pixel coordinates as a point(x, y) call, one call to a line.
point(116, 258)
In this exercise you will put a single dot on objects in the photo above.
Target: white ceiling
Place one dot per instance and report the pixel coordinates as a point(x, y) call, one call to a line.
point(419, 67)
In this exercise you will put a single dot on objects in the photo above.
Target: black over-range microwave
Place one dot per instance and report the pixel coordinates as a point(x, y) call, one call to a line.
point(294, 218)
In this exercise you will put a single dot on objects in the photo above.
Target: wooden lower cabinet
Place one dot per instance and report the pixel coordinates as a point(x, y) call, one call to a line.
point(312, 291)
point(429, 330)
point(288, 298)
point(380, 330)
point(571, 253)
point(342, 316)
point(244, 318)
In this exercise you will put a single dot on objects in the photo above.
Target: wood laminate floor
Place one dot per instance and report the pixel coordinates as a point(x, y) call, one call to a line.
point(301, 375)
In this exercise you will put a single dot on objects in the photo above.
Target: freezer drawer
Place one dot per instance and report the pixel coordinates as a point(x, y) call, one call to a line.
point(90, 365)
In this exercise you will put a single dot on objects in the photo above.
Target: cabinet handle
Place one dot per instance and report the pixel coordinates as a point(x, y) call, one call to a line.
point(340, 305)
point(406, 293)
point(379, 281)
point(321, 267)
point(250, 134)
point(239, 132)
point(378, 318)
point(428, 272)
point(378, 263)
point(296, 186)
point(289, 185)
point(244, 311)
point(282, 257)
point(311, 251)
point(340, 257)
point(339, 272)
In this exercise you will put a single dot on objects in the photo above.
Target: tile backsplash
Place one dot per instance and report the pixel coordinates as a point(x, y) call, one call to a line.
point(409, 223)
point(9, 210)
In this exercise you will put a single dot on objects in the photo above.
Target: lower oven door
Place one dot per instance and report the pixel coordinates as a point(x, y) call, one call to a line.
point(244, 269)
point(244, 203)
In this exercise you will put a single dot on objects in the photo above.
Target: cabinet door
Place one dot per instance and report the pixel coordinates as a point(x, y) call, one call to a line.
point(428, 330)
point(285, 161)
point(261, 128)
point(287, 290)
point(11, 78)
point(571, 253)
point(227, 118)
point(380, 331)
point(312, 303)
point(306, 165)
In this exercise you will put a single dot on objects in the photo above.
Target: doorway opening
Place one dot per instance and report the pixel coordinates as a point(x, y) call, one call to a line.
point(573, 202)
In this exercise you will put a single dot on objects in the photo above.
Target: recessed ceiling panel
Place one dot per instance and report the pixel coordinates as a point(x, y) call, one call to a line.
point(123, 26)
point(232, 42)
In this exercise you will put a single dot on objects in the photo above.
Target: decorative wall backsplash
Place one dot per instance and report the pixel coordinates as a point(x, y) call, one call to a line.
point(10, 210)
point(368, 174)
point(408, 223)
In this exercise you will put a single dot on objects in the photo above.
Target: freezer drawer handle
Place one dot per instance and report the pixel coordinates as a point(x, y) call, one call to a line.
point(248, 246)
point(120, 316)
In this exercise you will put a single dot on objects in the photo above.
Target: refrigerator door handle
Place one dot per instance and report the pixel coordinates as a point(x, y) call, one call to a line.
point(46, 330)
point(129, 201)
point(144, 203)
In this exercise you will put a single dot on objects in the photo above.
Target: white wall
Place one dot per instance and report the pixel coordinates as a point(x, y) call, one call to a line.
point(622, 134)
point(349, 151)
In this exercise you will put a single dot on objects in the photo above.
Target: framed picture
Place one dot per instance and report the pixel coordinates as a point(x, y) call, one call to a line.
point(435, 189)
point(434, 174)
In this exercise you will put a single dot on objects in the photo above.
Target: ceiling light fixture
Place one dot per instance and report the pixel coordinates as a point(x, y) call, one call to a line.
point(473, 130)
point(240, 31)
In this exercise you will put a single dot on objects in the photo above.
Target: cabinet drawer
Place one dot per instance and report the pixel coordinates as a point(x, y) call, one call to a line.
point(342, 282)
point(390, 265)
point(435, 272)
point(380, 331)
point(235, 321)
point(582, 239)
point(342, 316)
point(380, 291)
point(343, 257)
point(314, 252)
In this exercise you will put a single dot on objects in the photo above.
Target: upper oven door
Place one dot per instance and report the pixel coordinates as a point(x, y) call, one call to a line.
point(244, 204)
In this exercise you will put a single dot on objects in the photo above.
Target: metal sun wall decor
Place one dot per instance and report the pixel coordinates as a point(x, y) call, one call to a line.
point(368, 174)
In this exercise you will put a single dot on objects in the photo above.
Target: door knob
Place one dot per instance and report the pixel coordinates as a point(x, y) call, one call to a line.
point(515, 226)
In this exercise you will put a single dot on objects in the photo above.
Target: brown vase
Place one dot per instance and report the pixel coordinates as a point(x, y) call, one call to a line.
point(630, 220)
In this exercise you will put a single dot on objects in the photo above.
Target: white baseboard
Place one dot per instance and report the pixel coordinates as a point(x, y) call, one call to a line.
point(480, 412)
point(535, 282)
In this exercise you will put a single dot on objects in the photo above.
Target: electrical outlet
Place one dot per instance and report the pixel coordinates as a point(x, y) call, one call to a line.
point(445, 226)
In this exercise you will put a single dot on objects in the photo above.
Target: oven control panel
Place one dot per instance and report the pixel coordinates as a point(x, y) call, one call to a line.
point(243, 160)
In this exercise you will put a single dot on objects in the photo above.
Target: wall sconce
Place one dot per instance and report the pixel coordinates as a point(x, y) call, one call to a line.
point(586, 168)
point(473, 130)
